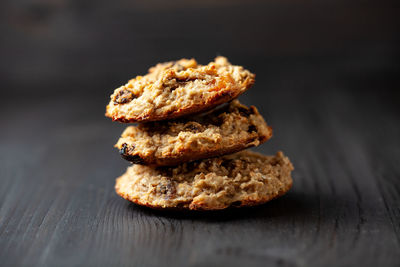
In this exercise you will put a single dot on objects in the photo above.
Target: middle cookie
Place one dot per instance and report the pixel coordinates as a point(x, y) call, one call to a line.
point(225, 130)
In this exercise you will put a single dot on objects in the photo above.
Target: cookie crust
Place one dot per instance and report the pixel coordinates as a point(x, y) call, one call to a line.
point(242, 179)
point(225, 130)
point(174, 89)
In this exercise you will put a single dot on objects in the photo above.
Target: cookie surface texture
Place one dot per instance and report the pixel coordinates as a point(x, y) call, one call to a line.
point(242, 179)
point(178, 88)
point(224, 130)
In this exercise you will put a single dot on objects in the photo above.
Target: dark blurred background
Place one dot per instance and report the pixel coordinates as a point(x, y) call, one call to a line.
point(49, 47)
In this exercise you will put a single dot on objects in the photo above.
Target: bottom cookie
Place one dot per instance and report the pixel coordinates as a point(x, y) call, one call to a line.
point(242, 179)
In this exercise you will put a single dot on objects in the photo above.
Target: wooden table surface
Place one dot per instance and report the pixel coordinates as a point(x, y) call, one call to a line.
point(58, 206)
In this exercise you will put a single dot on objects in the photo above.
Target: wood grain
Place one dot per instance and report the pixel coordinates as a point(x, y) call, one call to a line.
point(58, 206)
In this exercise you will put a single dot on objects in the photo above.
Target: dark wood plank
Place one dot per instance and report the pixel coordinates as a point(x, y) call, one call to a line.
point(58, 206)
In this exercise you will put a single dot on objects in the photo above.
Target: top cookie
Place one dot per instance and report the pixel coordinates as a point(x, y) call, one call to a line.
point(175, 89)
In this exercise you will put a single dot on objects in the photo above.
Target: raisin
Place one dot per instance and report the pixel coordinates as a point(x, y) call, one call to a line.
point(245, 111)
point(252, 128)
point(173, 82)
point(123, 96)
point(135, 159)
point(166, 189)
point(181, 82)
point(132, 158)
point(185, 80)
point(173, 87)
point(124, 148)
point(192, 128)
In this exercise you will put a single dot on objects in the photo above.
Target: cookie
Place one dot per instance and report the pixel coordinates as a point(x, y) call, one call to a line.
point(174, 89)
point(224, 130)
point(242, 179)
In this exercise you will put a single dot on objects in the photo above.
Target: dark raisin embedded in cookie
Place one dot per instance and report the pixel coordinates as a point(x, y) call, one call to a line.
point(193, 127)
point(123, 97)
point(252, 128)
point(184, 80)
point(167, 189)
point(245, 111)
point(124, 152)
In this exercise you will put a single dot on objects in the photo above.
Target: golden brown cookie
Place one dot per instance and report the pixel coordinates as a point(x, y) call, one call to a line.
point(179, 88)
point(224, 130)
point(242, 179)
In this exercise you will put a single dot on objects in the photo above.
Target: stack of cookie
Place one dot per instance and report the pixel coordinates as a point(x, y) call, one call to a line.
point(188, 146)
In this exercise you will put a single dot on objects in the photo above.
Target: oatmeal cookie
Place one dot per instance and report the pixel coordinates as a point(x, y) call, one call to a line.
point(242, 179)
point(178, 88)
point(224, 130)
